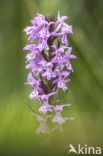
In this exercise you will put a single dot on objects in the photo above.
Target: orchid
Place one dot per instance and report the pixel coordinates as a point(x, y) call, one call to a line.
point(49, 64)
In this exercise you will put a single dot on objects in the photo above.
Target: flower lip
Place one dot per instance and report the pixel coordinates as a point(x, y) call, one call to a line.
point(45, 107)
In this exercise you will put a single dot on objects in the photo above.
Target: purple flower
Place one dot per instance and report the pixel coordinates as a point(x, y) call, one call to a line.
point(48, 71)
point(45, 107)
point(67, 57)
point(61, 81)
point(49, 65)
point(58, 117)
point(59, 50)
point(45, 97)
point(60, 107)
point(60, 21)
point(62, 28)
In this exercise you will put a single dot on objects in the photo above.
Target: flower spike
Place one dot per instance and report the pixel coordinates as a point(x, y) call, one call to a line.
point(49, 64)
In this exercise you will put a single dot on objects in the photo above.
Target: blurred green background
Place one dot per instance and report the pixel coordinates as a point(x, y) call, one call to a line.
point(17, 125)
